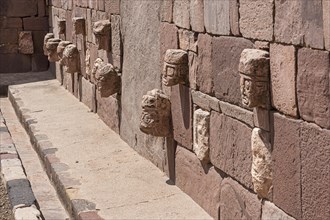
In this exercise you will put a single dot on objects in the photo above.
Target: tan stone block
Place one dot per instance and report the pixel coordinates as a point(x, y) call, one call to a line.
point(25, 42)
point(216, 17)
point(197, 15)
point(166, 10)
point(35, 23)
point(237, 112)
point(192, 60)
point(181, 16)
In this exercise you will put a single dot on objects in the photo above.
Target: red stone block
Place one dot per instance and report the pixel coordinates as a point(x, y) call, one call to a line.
point(202, 184)
point(35, 23)
point(25, 42)
point(286, 164)
point(230, 147)
point(181, 107)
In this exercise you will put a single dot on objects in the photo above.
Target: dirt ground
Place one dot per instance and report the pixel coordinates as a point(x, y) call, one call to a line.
point(5, 208)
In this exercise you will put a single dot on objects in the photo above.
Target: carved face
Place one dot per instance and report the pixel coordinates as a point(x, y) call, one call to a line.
point(46, 38)
point(71, 59)
point(253, 92)
point(101, 30)
point(60, 49)
point(156, 114)
point(107, 80)
point(171, 74)
point(175, 67)
point(51, 48)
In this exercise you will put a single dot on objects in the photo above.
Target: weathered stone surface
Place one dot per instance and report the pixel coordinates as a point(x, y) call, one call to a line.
point(31, 213)
point(116, 47)
point(35, 23)
point(226, 54)
point(175, 70)
point(8, 36)
point(261, 170)
point(88, 94)
point(102, 30)
point(202, 184)
point(230, 148)
point(20, 192)
point(234, 17)
point(201, 135)
point(166, 10)
point(236, 202)
point(299, 22)
point(216, 17)
point(256, 19)
point(70, 59)
point(8, 48)
point(261, 118)
point(38, 39)
point(15, 63)
point(236, 112)
point(187, 40)
point(315, 167)
point(20, 8)
point(112, 6)
point(181, 16)
point(270, 211)
point(326, 23)
point(192, 61)
point(6, 22)
point(262, 45)
point(197, 15)
point(204, 77)
point(283, 78)
point(286, 164)
point(181, 106)
point(76, 85)
point(313, 86)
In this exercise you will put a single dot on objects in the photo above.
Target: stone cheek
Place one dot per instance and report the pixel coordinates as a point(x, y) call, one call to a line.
point(201, 135)
point(261, 162)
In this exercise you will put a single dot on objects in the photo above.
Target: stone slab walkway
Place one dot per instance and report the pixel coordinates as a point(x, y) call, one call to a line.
point(96, 174)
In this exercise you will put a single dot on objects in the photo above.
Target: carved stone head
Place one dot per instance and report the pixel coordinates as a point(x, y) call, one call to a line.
point(78, 25)
point(101, 30)
point(254, 78)
point(60, 49)
point(175, 67)
point(46, 38)
point(106, 78)
point(51, 48)
point(70, 59)
point(61, 23)
point(156, 114)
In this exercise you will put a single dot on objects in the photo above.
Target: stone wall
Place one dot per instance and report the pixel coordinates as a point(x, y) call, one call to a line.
point(23, 24)
point(268, 158)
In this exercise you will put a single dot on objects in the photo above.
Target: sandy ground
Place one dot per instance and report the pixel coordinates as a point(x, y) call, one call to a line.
point(5, 208)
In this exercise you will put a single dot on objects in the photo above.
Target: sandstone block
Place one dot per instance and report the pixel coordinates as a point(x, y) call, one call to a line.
point(315, 167)
point(22, 8)
point(112, 6)
point(8, 48)
point(197, 15)
point(35, 23)
point(15, 63)
point(181, 107)
point(270, 211)
point(192, 62)
point(181, 16)
point(6, 22)
point(234, 17)
point(25, 42)
point(187, 40)
point(39, 63)
point(256, 19)
point(282, 77)
point(299, 22)
point(205, 102)
point(38, 39)
point(88, 94)
point(204, 77)
point(166, 10)
point(108, 110)
point(226, 54)
point(236, 112)
point(326, 23)
point(236, 202)
point(9, 36)
point(216, 17)
point(313, 86)
point(168, 39)
point(230, 147)
point(201, 135)
point(202, 186)
point(286, 164)
point(116, 47)
point(261, 118)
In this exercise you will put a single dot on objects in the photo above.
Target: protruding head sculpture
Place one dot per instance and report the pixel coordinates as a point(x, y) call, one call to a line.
point(60, 49)
point(61, 23)
point(156, 114)
point(101, 30)
point(46, 38)
point(70, 59)
point(254, 78)
point(106, 78)
point(51, 48)
point(175, 67)
point(78, 25)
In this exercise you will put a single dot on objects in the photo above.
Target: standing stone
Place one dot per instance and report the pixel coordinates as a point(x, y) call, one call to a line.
point(236, 202)
point(230, 148)
point(299, 22)
point(261, 162)
point(256, 19)
point(270, 211)
point(192, 59)
point(315, 167)
point(313, 86)
point(283, 78)
point(202, 186)
point(197, 15)
point(286, 164)
point(187, 40)
point(181, 13)
point(326, 23)
point(216, 17)
point(25, 42)
point(116, 47)
point(201, 145)
point(88, 94)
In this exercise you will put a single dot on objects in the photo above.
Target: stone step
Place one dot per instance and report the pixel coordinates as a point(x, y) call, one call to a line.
point(96, 174)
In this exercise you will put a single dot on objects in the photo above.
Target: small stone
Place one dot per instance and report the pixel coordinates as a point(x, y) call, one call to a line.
point(25, 42)
point(201, 125)
point(30, 213)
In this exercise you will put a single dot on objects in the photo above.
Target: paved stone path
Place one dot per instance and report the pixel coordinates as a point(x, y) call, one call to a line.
point(96, 174)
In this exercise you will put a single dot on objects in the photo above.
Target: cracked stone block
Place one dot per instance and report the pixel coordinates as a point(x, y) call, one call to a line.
point(25, 45)
point(201, 137)
point(88, 94)
point(216, 17)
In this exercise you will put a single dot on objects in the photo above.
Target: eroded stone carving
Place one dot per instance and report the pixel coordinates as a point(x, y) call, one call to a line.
point(61, 23)
point(60, 49)
point(175, 67)
point(201, 135)
point(254, 78)
point(101, 30)
point(156, 114)
point(46, 38)
point(51, 49)
point(106, 78)
point(261, 169)
point(79, 25)
point(70, 59)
